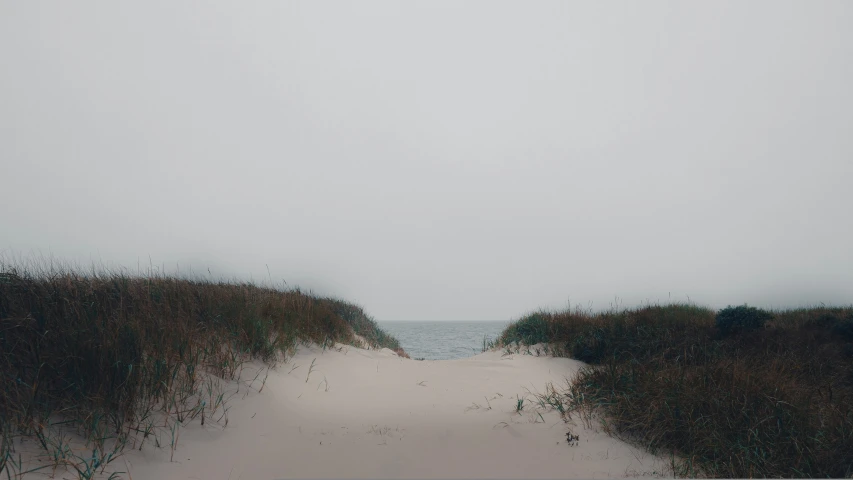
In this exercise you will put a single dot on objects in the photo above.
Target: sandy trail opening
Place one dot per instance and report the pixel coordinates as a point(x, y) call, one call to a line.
point(371, 414)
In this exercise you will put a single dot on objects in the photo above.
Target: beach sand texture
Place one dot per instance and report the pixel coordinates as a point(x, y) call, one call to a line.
point(371, 414)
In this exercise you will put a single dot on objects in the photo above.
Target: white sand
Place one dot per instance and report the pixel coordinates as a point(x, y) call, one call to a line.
point(372, 414)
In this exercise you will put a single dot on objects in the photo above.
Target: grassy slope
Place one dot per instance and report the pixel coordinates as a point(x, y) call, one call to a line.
point(774, 402)
point(109, 356)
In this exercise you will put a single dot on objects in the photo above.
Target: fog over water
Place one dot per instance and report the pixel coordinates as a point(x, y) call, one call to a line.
point(439, 160)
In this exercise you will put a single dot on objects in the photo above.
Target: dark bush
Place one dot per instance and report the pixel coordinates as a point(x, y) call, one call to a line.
point(591, 346)
point(741, 318)
point(844, 328)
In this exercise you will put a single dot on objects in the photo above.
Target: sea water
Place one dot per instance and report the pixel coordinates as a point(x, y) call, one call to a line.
point(443, 340)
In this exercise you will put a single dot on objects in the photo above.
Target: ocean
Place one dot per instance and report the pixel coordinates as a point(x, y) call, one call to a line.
point(439, 340)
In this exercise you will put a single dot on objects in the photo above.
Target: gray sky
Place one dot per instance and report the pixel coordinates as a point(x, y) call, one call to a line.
point(440, 160)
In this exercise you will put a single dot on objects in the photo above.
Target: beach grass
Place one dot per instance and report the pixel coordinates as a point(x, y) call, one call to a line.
point(113, 359)
point(737, 393)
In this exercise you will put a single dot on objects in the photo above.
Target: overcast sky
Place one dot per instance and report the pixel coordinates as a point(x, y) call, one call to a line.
point(440, 160)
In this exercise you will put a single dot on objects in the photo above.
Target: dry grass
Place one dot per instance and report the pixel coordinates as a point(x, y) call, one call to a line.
point(113, 358)
point(774, 402)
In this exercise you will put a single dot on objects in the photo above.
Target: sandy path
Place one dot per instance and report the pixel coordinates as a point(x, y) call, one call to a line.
point(371, 414)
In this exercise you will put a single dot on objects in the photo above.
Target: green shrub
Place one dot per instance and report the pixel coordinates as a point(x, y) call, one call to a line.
point(741, 318)
point(530, 330)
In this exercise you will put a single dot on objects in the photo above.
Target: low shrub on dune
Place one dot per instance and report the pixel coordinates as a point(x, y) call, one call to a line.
point(111, 356)
point(737, 393)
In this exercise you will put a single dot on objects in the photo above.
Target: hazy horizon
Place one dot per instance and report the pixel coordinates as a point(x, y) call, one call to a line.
point(440, 160)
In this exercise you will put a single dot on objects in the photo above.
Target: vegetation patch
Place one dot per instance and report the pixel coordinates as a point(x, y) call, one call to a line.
point(732, 320)
point(737, 393)
point(114, 359)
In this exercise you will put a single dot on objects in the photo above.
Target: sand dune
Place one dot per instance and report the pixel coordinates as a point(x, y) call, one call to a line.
point(372, 414)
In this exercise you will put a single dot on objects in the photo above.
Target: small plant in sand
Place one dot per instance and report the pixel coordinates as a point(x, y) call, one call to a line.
point(324, 382)
point(488, 344)
point(572, 439)
point(310, 369)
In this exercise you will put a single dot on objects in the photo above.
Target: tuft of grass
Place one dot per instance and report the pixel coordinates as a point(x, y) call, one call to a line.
point(401, 353)
point(113, 357)
point(488, 344)
point(363, 325)
point(519, 404)
point(775, 401)
point(310, 369)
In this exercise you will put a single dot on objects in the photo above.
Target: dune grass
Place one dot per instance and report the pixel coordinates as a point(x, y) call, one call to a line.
point(114, 359)
point(774, 401)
